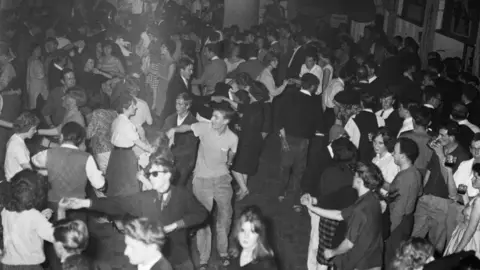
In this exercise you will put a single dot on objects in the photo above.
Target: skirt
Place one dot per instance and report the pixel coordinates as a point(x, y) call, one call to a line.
point(121, 174)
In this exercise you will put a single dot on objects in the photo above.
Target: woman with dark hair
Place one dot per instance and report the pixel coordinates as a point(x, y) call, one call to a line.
point(24, 227)
point(362, 247)
point(233, 59)
point(91, 79)
point(250, 135)
point(335, 182)
point(251, 237)
point(71, 239)
point(270, 62)
point(383, 145)
point(123, 164)
point(109, 63)
point(413, 254)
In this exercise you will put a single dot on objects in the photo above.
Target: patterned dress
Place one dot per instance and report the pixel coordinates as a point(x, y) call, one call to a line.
point(474, 243)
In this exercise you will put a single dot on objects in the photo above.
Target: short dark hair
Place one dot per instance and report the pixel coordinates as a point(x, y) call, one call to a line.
point(309, 80)
point(65, 71)
point(27, 191)
point(25, 121)
point(213, 48)
point(226, 110)
point(368, 101)
point(421, 116)
point(184, 62)
point(146, 230)
point(431, 92)
point(476, 137)
point(185, 97)
point(344, 150)
point(124, 102)
point(470, 92)
point(74, 133)
point(387, 92)
point(269, 58)
point(311, 52)
point(459, 111)
point(388, 138)
point(452, 128)
point(409, 148)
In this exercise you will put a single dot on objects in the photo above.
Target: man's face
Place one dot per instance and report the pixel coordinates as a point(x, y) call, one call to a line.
point(443, 137)
point(69, 80)
point(309, 62)
point(218, 120)
point(187, 72)
point(387, 102)
point(159, 177)
point(475, 149)
point(397, 155)
point(181, 106)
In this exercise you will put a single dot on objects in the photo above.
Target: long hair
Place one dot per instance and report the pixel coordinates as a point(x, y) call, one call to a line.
point(254, 215)
point(412, 254)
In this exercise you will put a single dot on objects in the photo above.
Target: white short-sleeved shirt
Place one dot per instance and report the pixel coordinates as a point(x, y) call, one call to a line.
point(143, 114)
point(213, 150)
point(124, 132)
point(24, 233)
point(16, 155)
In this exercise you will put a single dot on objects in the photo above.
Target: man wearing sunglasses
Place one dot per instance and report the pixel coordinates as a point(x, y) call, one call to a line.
point(174, 206)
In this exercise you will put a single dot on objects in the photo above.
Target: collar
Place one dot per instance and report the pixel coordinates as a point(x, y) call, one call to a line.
point(306, 92)
point(57, 66)
point(151, 263)
point(274, 42)
point(253, 58)
point(372, 79)
point(463, 122)
point(428, 106)
point(367, 110)
point(68, 145)
point(408, 120)
point(406, 74)
point(180, 117)
point(214, 58)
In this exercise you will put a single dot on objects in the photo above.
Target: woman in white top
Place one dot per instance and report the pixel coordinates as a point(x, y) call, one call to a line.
point(311, 66)
point(123, 164)
point(383, 145)
point(271, 62)
point(24, 227)
point(233, 60)
point(325, 61)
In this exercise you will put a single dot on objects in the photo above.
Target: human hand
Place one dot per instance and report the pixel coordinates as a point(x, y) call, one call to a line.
point(171, 136)
point(96, 71)
point(72, 203)
point(328, 254)
point(306, 199)
point(285, 146)
point(47, 213)
point(170, 228)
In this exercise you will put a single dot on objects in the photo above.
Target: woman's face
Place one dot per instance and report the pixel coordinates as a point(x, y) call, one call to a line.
point(107, 50)
point(235, 51)
point(247, 237)
point(163, 50)
point(378, 145)
point(274, 63)
point(37, 52)
point(89, 65)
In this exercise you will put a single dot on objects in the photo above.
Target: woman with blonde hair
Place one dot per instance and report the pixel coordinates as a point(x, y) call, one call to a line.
point(251, 237)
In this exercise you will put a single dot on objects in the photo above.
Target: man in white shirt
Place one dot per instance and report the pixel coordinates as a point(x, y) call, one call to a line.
point(311, 66)
point(17, 156)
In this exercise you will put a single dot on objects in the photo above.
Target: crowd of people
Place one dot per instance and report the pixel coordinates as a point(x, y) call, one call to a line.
point(381, 153)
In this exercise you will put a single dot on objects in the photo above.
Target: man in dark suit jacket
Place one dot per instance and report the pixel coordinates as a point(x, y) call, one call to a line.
point(297, 59)
point(185, 148)
point(178, 84)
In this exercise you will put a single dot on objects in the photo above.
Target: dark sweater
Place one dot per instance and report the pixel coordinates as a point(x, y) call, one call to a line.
point(299, 114)
point(182, 208)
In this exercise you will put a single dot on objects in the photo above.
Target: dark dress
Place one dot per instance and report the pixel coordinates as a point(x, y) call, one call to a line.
point(263, 264)
point(250, 138)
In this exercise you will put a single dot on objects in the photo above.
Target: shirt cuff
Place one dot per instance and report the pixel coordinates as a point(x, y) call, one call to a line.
point(180, 224)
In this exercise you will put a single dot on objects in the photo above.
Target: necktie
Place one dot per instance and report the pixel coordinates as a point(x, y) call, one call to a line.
point(383, 112)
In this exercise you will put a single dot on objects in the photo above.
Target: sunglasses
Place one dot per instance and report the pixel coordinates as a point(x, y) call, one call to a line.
point(155, 173)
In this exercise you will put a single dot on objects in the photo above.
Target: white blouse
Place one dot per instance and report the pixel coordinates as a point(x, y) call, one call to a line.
point(387, 166)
